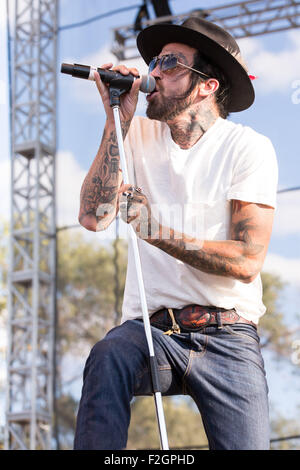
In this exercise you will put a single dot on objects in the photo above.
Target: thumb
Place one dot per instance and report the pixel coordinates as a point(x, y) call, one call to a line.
point(136, 86)
point(100, 85)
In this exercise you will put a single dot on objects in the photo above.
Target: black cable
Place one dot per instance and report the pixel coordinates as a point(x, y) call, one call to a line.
point(88, 21)
point(205, 446)
point(287, 438)
point(288, 189)
point(66, 227)
point(109, 13)
point(97, 17)
point(297, 188)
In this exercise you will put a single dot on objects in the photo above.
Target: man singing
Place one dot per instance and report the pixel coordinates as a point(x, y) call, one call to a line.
point(201, 200)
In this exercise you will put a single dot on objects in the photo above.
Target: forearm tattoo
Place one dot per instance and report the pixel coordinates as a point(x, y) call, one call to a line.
point(226, 258)
point(101, 185)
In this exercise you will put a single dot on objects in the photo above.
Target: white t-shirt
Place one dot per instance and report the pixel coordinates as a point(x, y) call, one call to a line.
point(191, 191)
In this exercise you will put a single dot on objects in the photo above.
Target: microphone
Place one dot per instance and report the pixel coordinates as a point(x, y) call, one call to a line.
point(109, 76)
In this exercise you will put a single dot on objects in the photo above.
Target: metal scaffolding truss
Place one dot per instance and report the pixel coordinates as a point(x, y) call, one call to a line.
point(33, 227)
point(241, 19)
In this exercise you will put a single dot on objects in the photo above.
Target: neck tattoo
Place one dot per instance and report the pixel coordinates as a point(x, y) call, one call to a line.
point(187, 130)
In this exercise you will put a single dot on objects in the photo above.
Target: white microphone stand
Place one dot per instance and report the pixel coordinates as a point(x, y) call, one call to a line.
point(115, 104)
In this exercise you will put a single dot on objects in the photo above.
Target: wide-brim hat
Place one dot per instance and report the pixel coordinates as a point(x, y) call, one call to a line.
point(211, 40)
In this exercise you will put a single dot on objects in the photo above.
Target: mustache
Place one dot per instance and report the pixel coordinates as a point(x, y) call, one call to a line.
point(174, 97)
point(161, 88)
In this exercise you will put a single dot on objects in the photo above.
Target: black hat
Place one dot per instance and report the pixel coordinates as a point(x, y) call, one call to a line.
point(212, 41)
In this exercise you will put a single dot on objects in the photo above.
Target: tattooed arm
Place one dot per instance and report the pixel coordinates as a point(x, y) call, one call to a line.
point(98, 197)
point(241, 257)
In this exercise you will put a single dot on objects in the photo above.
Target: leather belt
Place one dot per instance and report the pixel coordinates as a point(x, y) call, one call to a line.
point(194, 318)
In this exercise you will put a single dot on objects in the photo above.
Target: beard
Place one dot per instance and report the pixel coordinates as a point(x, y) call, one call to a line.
point(165, 109)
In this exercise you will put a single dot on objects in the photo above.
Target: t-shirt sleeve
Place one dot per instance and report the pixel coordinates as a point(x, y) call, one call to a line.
point(255, 172)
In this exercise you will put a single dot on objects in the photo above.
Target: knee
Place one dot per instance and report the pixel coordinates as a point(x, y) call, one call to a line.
point(111, 354)
point(118, 353)
point(104, 351)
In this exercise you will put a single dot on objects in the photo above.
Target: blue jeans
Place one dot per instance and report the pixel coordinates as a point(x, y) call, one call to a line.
point(221, 369)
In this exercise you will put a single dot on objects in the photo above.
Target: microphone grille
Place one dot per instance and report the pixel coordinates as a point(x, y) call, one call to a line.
point(148, 84)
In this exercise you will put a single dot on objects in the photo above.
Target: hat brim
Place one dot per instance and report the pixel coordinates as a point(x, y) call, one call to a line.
point(151, 40)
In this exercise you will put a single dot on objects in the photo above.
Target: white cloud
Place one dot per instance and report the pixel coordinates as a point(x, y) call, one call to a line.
point(3, 16)
point(287, 215)
point(5, 188)
point(87, 92)
point(3, 92)
point(276, 70)
point(287, 268)
point(104, 56)
point(69, 180)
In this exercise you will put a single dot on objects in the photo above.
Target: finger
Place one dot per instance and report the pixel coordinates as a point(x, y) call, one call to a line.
point(122, 69)
point(123, 202)
point(136, 86)
point(107, 66)
point(132, 212)
point(126, 70)
point(134, 71)
point(100, 85)
point(98, 78)
point(125, 187)
point(138, 190)
point(127, 211)
point(128, 195)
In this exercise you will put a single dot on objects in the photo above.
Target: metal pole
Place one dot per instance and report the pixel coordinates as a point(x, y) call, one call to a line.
point(153, 364)
point(31, 279)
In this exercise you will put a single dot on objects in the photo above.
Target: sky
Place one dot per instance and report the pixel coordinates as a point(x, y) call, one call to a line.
point(273, 58)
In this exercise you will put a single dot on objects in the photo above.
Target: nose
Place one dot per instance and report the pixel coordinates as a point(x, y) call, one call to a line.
point(156, 72)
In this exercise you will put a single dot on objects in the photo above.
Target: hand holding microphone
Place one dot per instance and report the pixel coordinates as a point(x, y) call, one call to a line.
point(121, 77)
point(121, 73)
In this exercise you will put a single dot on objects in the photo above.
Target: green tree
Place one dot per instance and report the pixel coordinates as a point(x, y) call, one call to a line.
point(3, 263)
point(183, 423)
point(283, 427)
point(88, 306)
point(86, 300)
point(275, 334)
point(3, 311)
point(86, 290)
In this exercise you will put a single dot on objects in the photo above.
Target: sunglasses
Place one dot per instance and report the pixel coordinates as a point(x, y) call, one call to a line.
point(169, 62)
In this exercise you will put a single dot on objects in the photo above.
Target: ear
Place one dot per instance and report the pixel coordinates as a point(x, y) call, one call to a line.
point(208, 87)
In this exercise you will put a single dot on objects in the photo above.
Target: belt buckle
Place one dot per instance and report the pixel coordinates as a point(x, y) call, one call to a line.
point(192, 321)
